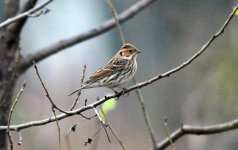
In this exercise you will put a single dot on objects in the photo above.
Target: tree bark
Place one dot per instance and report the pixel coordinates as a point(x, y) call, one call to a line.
point(9, 58)
point(9, 42)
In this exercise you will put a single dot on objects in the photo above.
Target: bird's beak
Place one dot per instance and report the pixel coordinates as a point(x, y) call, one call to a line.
point(138, 52)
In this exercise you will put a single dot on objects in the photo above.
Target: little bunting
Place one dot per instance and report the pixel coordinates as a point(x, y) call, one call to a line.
point(117, 72)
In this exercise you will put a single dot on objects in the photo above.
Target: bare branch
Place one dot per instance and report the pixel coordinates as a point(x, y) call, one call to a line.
point(137, 86)
point(140, 97)
point(53, 106)
point(41, 54)
point(11, 111)
point(193, 130)
point(16, 27)
point(25, 14)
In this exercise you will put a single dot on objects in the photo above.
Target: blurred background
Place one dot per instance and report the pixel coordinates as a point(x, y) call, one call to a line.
point(167, 33)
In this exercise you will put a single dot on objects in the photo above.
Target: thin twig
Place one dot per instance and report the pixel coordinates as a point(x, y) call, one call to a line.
point(88, 118)
point(52, 104)
point(62, 44)
point(79, 92)
point(117, 137)
point(90, 140)
point(39, 13)
point(96, 133)
point(96, 112)
point(146, 116)
point(112, 130)
point(11, 111)
point(104, 124)
point(167, 132)
point(196, 130)
point(45, 89)
point(134, 87)
point(140, 97)
point(114, 13)
point(58, 128)
point(17, 26)
point(25, 14)
point(104, 127)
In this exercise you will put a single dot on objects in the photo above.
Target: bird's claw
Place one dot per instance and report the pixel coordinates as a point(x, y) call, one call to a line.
point(124, 92)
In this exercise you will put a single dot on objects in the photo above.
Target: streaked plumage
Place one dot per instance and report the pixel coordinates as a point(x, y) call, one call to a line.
point(117, 72)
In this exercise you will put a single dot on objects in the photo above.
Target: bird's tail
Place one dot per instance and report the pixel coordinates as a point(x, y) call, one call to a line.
point(79, 89)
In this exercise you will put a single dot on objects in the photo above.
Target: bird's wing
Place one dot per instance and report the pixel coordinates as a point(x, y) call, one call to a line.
point(108, 69)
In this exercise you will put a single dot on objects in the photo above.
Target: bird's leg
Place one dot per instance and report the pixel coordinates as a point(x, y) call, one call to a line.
point(123, 91)
point(115, 92)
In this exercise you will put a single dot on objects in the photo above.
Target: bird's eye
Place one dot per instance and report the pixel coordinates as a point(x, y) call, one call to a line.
point(121, 53)
point(130, 51)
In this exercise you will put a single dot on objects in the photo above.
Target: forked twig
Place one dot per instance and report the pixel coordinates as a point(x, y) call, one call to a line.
point(11, 111)
point(25, 14)
point(104, 124)
point(139, 94)
point(67, 42)
point(46, 91)
point(112, 130)
point(214, 129)
point(52, 103)
point(79, 92)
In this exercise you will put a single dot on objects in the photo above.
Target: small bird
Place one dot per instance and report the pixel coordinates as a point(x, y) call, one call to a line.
point(117, 72)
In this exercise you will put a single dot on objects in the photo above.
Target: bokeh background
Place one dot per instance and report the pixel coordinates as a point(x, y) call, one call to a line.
point(168, 33)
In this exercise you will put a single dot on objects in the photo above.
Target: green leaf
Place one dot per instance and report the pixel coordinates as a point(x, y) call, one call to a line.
point(236, 13)
point(107, 107)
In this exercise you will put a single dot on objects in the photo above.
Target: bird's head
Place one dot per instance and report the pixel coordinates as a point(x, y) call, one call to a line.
point(128, 51)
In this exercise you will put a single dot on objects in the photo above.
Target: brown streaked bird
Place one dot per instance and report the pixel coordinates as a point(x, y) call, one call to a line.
point(117, 72)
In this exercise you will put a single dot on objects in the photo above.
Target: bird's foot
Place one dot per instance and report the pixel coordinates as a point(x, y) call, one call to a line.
point(123, 92)
point(116, 93)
